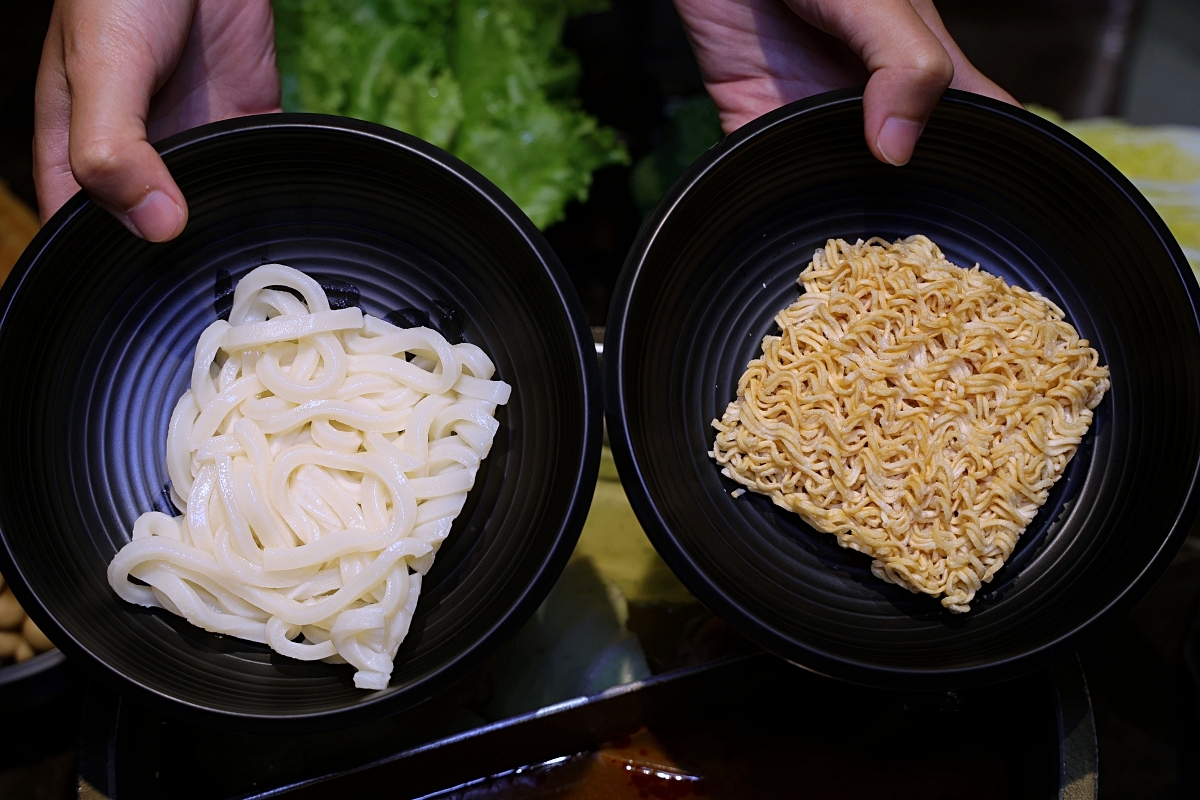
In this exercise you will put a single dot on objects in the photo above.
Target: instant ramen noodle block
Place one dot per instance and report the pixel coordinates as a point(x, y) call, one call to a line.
point(918, 411)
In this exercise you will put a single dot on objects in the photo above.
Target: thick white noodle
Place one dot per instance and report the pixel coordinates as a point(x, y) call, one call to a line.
point(319, 459)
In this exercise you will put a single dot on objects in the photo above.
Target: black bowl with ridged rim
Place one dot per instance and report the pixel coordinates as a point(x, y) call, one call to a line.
point(991, 184)
point(97, 338)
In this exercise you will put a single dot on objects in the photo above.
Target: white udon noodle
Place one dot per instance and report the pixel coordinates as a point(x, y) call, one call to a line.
point(318, 470)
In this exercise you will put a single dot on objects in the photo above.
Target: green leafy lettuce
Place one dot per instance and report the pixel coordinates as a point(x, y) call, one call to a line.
point(692, 126)
point(487, 80)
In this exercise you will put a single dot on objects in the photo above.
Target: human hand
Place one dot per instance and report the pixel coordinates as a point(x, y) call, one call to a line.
point(756, 55)
point(118, 74)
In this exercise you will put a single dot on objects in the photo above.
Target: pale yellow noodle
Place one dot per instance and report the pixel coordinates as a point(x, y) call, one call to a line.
point(919, 411)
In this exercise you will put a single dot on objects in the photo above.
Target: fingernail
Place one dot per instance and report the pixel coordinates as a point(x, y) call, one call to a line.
point(156, 219)
point(897, 139)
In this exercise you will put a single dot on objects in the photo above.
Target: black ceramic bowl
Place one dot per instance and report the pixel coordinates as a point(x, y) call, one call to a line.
point(97, 338)
point(991, 184)
point(16, 678)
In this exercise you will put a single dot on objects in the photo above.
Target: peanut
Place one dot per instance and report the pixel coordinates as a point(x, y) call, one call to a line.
point(33, 634)
point(11, 614)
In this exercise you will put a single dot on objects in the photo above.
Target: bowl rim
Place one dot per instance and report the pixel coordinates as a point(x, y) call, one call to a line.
point(685, 567)
point(42, 662)
point(582, 486)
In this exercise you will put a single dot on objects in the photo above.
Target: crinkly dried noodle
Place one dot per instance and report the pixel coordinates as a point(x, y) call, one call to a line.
point(319, 459)
point(919, 411)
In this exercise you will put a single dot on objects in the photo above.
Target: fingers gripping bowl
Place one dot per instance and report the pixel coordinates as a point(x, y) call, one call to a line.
point(102, 329)
point(990, 185)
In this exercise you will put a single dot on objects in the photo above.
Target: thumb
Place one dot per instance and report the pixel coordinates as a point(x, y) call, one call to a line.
point(910, 69)
point(111, 81)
